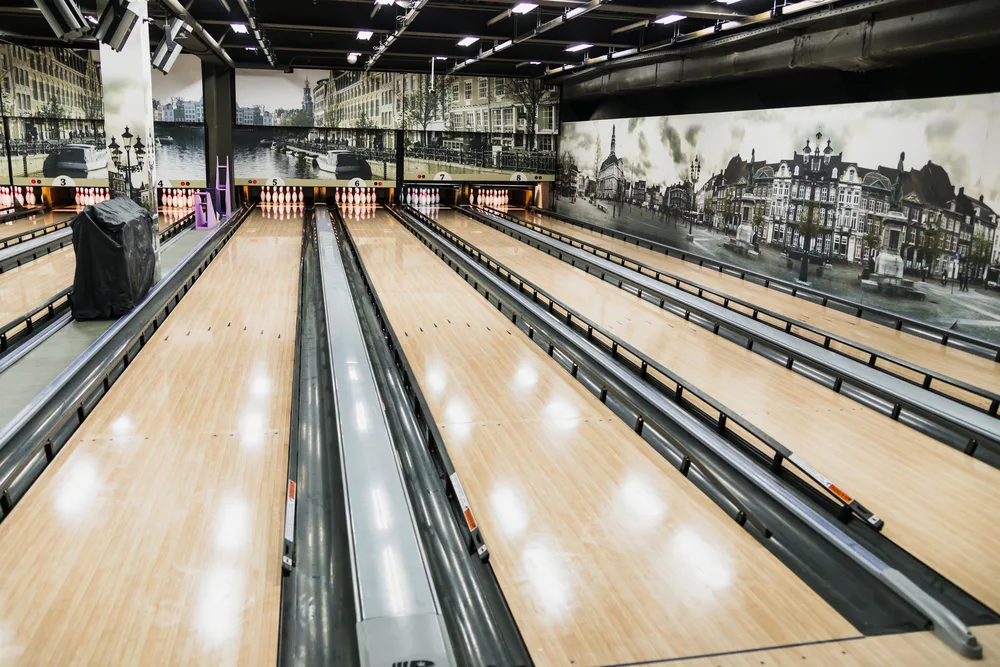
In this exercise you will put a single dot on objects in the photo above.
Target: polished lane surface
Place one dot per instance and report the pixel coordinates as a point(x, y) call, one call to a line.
point(30, 285)
point(946, 360)
point(605, 553)
point(33, 222)
point(155, 535)
point(938, 503)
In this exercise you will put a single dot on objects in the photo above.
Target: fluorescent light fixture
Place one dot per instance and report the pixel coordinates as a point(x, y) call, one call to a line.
point(238, 27)
point(502, 46)
point(573, 13)
point(524, 7)
point(468, 41)
point(250, 48)
point(384, 2)
point(441, 57)
point(364, 35)
point(356, 54)
point(92, 19)
point(626, 52)
point(578, 47)
point(669, 18)
point(727, 2)
point(535, 62)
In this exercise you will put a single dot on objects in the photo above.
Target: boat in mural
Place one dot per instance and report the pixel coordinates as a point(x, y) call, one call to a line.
point(344, 165)
point(73, 159)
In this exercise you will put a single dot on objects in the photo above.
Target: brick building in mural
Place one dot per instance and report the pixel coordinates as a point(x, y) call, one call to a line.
point(42, 86)
point(843, 203)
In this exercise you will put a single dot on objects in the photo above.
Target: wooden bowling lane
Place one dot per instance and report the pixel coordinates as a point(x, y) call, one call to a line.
point(946, 360)
point(32, 284)
point(918, 649)
point(605, 553)
point(27, 224)
point(938, 503)
point(155, 536)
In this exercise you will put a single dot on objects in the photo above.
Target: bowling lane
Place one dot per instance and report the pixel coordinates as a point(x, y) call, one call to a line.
point(605, 553)
point(32, 222)
point(33, 283)
point(918, 485)
point(155, 536)
point(948, 361)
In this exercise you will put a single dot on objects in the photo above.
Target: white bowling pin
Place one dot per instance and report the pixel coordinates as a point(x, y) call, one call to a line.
point(301, 196)
point(336, 195)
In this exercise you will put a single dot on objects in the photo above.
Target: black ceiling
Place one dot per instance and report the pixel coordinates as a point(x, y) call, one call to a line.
point(321, 33)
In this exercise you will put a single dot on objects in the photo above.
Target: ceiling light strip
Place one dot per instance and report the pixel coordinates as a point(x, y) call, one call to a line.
point(574, 13)
point(408, 18)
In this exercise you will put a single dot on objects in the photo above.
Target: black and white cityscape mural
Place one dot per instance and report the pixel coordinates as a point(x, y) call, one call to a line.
point(179, 123)
point(53, 106)
point(795, 191)
point(454, 127)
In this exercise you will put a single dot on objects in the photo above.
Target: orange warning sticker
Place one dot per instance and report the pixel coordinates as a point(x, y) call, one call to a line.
point(835, 490)
point(469, 519)
point(291, 490)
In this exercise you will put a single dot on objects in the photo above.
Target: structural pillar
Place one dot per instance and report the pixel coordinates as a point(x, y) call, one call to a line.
point(219, 84)
point(127, 84)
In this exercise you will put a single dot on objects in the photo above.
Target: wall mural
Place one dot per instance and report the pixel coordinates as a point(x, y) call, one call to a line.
point(127, 86)
point(53, 104)
point(179, 124)
point(760, 188)
point(454, 127)
point(307, 155)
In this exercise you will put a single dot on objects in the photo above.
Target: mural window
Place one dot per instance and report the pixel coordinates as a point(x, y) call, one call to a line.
point(508, 118)
point(484, 86)
point(796, 170)
point(499, 87)
point(545, 118)
point(468, 91)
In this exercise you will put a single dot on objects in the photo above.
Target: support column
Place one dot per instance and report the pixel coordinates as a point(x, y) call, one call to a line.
point(127, 84)
point(219, 84)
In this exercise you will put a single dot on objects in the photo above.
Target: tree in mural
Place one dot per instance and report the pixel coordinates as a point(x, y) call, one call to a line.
point(362, 125)
point(421, 105)
point(597, 163)
point(872, 240)
point(757, 219)
point(979, 255)
point(806, 223)
point(931, 241)
point(333, 112)
point(528, 93)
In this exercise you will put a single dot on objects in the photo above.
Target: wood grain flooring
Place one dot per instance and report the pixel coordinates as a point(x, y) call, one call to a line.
point(938, 503)
point(605, 553)
point(155, 536)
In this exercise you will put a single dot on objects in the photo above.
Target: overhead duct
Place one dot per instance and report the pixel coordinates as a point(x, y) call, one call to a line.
point(65, 18)
point(870, 42)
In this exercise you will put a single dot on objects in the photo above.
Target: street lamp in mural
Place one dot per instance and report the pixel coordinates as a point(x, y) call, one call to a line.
point(694, 173)
point(127, 169)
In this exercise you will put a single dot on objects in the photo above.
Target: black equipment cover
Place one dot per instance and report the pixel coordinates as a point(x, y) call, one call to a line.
point(115, 261)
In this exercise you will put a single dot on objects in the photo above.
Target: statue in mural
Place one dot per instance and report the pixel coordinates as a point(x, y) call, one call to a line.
point(896, 201)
